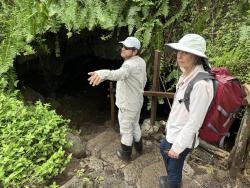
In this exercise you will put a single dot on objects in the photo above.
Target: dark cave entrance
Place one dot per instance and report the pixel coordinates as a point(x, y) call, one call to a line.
point(61, 80)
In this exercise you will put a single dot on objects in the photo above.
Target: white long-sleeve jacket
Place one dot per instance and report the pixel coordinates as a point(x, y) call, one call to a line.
point(131, 79)
point(183, 125)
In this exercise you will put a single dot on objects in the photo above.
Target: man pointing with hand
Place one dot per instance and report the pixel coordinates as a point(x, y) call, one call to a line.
point(131, 79)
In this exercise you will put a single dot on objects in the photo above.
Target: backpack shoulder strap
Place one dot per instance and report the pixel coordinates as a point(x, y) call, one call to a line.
point(198, 77)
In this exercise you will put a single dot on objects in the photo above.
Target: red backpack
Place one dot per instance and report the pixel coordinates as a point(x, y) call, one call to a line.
point(227, 101)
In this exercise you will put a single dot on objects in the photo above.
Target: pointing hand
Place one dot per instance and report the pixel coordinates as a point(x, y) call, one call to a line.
point(94, 79)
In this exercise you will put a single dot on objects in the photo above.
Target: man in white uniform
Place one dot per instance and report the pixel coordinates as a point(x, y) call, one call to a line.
point(131, 79)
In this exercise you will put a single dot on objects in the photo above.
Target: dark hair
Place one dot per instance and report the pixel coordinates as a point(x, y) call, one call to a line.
point(198, 60)
point(138, 51)
point(204, 62)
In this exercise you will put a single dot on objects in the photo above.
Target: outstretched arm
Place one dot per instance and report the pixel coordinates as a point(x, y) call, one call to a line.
point(120, 74)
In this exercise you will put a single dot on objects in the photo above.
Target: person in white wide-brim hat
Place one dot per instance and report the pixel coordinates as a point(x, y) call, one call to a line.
point(183, 125)
point(192, 43)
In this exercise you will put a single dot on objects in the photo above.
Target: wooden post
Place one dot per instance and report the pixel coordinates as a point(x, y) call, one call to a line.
point(238, 155)
point(112, 103)
point(155, 86)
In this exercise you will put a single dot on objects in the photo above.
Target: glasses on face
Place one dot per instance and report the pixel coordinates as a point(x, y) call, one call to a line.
point(127, 48)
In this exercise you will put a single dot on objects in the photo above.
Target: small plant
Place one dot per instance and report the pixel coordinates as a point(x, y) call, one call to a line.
point(210, 169)
point(86, 180)
point(99, 179)
point(80, 173)
point(54, 185)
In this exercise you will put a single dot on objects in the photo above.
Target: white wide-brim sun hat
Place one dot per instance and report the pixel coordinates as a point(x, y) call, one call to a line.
point(191, 43)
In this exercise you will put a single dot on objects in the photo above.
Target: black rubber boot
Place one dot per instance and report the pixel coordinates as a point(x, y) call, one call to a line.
point(139, 146)
point(165, 184)
point(124, 153)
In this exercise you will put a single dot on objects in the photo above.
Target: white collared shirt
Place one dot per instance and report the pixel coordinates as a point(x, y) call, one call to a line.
point(131, 79)
point(183, 125)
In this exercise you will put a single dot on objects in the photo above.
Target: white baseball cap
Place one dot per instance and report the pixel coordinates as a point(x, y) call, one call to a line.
point(191, 43)
point(131, 42)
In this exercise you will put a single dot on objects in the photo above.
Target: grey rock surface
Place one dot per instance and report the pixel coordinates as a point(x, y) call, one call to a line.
point(103, 169)
point(78, 147)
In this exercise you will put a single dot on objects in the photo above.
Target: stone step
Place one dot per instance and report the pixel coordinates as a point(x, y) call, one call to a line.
point(105, 145)
point(108, 154)
point(133, 171)
point(142, 171)
point(96, 144)
point(105, 170)
point(150, 176)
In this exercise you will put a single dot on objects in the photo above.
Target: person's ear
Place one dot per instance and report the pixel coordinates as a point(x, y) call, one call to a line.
point(135, 52)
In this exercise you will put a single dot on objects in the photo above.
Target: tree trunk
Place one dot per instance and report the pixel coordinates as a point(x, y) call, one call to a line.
point(238, 155)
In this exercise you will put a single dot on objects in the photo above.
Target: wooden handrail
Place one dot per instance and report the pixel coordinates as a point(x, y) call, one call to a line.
point(170, 95)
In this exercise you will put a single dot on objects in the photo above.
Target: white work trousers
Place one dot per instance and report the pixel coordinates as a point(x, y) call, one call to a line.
point(129, 126)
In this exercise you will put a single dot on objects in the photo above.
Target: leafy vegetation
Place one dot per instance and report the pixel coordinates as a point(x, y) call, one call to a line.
point(230, 45)
point(31, 143)
point(226, 29)
point(225, 26)
point(33, 137)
